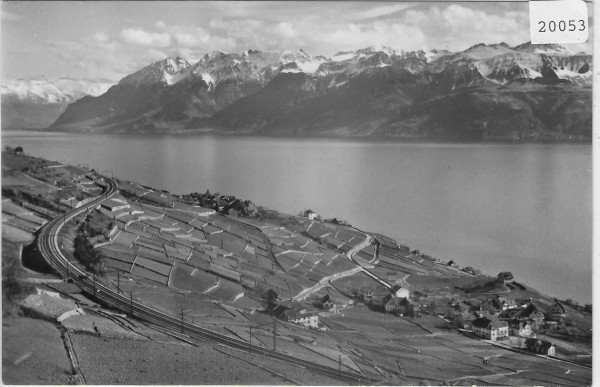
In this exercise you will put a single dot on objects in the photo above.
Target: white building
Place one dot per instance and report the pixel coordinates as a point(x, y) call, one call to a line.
point(402, 293)
point(302, 317)
point(490, 329)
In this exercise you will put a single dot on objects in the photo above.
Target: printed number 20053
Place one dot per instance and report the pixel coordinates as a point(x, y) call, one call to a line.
point(562, 25)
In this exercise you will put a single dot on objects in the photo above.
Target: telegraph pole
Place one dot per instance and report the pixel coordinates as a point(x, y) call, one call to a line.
point(118, 280)
point(250, 338)
point(274, 329)
point(181, 318)
point(131, 303)
point(94, 283)
point(340, 366)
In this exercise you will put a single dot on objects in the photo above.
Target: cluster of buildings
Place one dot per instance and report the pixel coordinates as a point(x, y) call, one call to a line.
point(223, 204)
point(496, 318)
point(295, 312)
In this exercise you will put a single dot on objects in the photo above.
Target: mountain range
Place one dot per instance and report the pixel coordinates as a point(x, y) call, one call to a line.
point(484, 92)
point(35, 103)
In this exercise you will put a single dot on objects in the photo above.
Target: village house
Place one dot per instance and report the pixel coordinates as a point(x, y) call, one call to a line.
point(540, 346)
point(556, 312)
point(330, 306)
point(366, 295)
point(302, 317)
point(403, 307)
point(328, 303)
point(503, 304)
point(521, 329)
point(497, 305)
point(399, 291)
point(311, 215)
point(488, 307)
point(377, 296)
point(490, 329)
point(392, 304)
point(532, 313)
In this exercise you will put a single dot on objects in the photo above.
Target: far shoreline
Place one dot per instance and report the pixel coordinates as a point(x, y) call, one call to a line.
point(374, 139)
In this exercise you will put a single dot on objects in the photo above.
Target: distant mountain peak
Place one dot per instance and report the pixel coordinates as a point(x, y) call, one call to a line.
point(166, 71)
point(37, 90)
point(304, 62)
point(551, 48)
point(213, 54)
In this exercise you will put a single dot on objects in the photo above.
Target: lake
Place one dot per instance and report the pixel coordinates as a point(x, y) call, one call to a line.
point(524, 208)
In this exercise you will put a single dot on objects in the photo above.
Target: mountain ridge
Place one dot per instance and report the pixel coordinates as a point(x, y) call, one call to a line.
point(371, 91)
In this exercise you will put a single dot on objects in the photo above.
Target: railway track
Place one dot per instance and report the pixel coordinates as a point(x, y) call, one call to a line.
point(48, 246)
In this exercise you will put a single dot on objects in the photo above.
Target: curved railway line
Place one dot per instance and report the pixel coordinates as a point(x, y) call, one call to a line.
point(48, 246)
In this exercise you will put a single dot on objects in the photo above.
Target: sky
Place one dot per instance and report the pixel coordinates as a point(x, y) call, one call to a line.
point(98, 43)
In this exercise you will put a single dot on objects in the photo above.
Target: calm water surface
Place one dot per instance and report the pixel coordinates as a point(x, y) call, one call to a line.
point(522, 208)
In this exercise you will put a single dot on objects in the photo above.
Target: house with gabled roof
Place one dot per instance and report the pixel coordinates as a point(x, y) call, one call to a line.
point(302, 317)
point(521, 329)
point(533, 313)
point(540, 346)
point(403, 306)
point(556, 311)
point(490, 328)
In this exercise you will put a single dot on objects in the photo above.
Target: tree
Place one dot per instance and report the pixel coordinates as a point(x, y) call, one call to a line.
point(85, 253)
point(19, 150)
point(271, 297)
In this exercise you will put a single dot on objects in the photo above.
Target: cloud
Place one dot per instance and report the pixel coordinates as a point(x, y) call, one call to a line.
point(81, 86)
point(378, 11)
point(286, 30)
point(101, 37)
point(154, 55)
point(350, 36)
point(456, 27)
point(138, 36)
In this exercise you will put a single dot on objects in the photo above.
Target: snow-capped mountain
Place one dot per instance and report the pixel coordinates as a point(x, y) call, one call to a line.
point(36, 90)
point(503, 64)
point(37, 102)
point(371, 91)
point(168, 72)
point(32, 103)
point(547, 49)
point(300, 61)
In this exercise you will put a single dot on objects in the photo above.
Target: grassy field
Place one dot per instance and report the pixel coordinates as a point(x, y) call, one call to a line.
point(33, 352)
point(150, 362)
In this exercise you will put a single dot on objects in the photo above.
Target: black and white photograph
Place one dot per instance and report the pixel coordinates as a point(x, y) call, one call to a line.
point(297, 192)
